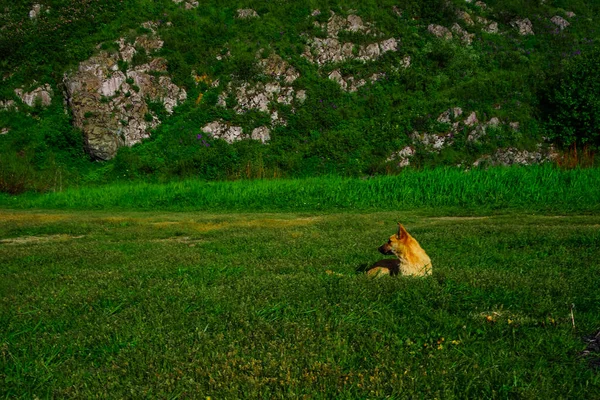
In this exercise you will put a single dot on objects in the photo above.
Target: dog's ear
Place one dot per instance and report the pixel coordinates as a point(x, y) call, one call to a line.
point(402, 233)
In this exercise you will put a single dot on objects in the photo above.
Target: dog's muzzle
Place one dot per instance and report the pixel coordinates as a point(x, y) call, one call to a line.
point(385, 249)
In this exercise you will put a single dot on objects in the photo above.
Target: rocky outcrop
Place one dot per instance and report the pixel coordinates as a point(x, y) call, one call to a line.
point(35, 11)
point(488, 26)
point(560, 22)
point(439, 31)
point(348, 83)
point(277, 68)
point(187, 4)
point(222, 130)
point(330, 49)
point(259, 96)
point(246, 13)
point(402, 157)
point(512, 156)
point(464, 36)
point(40, 96)
point(8, 105)
point(261, 133)
point(110, 104)
point(4, 131)
point(466, 17)
point(524, 26)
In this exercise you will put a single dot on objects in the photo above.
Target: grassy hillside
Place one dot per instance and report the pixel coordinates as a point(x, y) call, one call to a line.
point(501, 75)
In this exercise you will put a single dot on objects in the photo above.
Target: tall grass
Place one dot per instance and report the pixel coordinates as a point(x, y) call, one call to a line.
point(536, 188)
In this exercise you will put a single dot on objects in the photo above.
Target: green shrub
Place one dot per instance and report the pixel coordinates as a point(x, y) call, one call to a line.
point(572, 106)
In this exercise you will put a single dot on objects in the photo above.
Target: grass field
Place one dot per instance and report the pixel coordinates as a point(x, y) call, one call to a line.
point(535, 188)
point(238, 305)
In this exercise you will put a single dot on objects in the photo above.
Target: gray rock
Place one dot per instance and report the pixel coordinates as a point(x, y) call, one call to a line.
point(493, 122)
point(388, 45)
point(8, 105)
point(42, 94)
point(222, 130)
point(330, 50)
point(560, 22)
point(464, 36)
point(4, 131)
point(246, 13)
point(402, 156)
point(440, 31)
point(512, 156)
point(369, 52)
point(433, 141)
point(524, 26)
point(301, 96)
point(471, 119)
point(278, 68)
point(348, 83)
point(444, 117)
point(35, 11)
point(570, 14)
point(464, 16)
point(405, 63)
point(109, 105)
point(491, 28)
point(261, 133)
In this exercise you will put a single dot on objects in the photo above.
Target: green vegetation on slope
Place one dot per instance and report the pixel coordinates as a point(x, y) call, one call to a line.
point(188, 305)
point(500, 75)
point(541, 188)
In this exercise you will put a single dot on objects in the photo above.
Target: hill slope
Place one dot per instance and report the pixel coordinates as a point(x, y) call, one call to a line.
point(229, 88)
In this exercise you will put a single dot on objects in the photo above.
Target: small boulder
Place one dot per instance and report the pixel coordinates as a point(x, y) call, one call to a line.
point(35, 11)
point(560, 22)
point(471, 119)
point(221, 130)
point(524, 26)
point(42, 94)
point(440, 31)
point(245, 13)
point(402, 156)
point(261, 133)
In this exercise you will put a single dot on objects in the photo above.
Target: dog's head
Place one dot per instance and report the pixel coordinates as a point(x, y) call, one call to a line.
point(398, 244)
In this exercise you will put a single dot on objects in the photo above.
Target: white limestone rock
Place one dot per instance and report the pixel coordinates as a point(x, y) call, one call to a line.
point(560, 22)
point(246, 13)
point(261, 133)
point(402, 156)
point(41, 95)
point(439, 31)
point(524, 26)
point(222, 130)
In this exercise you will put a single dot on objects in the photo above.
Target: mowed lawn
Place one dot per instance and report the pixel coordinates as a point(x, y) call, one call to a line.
point(191, 305)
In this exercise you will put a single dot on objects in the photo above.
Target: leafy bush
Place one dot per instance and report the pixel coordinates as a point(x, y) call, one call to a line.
point(573, 104)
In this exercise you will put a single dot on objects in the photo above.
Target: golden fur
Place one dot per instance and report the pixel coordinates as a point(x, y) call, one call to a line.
point(412, 259)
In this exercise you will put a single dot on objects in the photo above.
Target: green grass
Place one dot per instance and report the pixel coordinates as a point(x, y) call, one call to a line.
point(186, 305)
point(541, 188)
